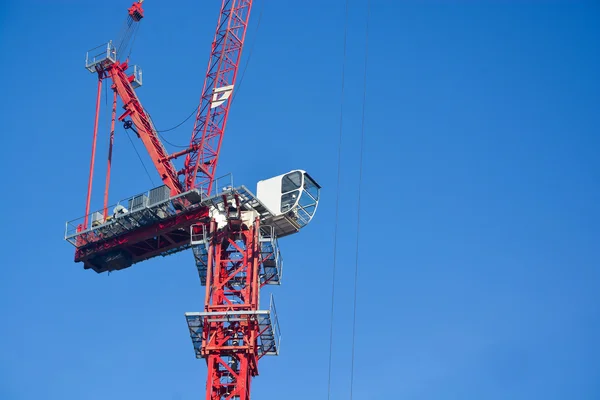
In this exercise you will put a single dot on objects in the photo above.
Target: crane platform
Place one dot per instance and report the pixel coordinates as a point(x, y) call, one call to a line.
point(271, 261)
point(155, 224)
point(269, 337)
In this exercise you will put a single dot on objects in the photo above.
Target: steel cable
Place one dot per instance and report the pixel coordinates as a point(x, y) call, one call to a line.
point(360, 176)
point(139, 157)
point(239, 85)
point(337, 202)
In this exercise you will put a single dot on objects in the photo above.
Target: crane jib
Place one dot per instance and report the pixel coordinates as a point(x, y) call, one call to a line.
point(202, 153)
point(207, 135)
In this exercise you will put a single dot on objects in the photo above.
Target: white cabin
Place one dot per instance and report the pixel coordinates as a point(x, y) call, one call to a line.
point(292, 199)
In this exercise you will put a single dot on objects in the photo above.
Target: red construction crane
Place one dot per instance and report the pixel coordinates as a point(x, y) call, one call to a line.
point(232, 232)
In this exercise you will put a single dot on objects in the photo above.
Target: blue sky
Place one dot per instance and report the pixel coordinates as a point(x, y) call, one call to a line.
point(479, 227)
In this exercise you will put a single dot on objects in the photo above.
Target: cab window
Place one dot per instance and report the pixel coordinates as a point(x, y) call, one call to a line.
point(288, 200)
point(291, 181)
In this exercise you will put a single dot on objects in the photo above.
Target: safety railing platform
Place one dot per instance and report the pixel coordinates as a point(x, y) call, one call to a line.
point(271, 260)
point(269, 338)
point(101, 57)
point(127, 215)
point(154, 224)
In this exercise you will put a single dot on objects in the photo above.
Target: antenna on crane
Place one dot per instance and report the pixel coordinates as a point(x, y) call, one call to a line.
point(233, 233)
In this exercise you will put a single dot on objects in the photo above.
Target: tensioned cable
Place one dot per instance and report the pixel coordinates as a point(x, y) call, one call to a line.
point(135, 31)
point(161, 136)
point(179, 124)
point(239, 85)
point(196, 108)
point(360, 175)
point(140, 157)
point(337, 202)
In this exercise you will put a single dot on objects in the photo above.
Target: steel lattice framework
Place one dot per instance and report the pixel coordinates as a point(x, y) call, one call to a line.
point(211, 119)
point(145, 130)
point(202, 154)
point(231, 324)
point(235, 254)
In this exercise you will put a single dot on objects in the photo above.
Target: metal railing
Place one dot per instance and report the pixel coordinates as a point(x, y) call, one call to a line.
point(100, 225)
point(223, 184)
point(275, 324)
point(198, 234)
point(137, 77)
point(267, 234)
point(105, 54)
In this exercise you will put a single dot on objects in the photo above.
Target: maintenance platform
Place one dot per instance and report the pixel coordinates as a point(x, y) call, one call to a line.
point(154, 223)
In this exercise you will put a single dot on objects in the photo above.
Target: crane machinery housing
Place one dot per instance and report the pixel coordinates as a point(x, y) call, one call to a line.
point(232, 232)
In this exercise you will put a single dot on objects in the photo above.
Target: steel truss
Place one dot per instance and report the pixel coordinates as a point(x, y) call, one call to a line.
point(232, 334)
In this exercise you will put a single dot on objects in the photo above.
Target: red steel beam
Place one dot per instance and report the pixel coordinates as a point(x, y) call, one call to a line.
point(145, 129)
point(96, 246)
point(111, 141)
point(92, 161)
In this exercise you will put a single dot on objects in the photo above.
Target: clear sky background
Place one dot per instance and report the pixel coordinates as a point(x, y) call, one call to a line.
point(479, 252)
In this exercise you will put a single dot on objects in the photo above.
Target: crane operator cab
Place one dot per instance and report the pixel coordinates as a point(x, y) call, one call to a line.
point(292, 200)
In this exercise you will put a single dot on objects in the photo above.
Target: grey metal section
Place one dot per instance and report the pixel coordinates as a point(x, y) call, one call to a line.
point(124, 219)
point(102, 57)
point(251, 202)
point(147, 208)
point(97, 218)
point(138, 202)
point(137, 77)
point(159, 194)
point(283, 225)
point(199, 242)
point(201, 257)
point(270, 257)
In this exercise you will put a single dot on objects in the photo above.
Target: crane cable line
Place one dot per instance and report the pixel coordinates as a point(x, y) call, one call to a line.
point(234, 94)
point(195, 108)
point(130, 140)
point(239, 85)
point(139, 157)
point(337, 201)
point(360, 177)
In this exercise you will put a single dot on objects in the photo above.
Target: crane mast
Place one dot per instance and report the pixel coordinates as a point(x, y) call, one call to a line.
point(233, 233)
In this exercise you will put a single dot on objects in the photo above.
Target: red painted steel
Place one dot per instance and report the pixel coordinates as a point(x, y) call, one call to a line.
point(136, 12)
point(232, 284)
point(110, 147)
point(211, 119)
point(203, 152)
point(140, 244)
point(202, 155)
point(145, 130)
point(93, 158)
point(233, 281)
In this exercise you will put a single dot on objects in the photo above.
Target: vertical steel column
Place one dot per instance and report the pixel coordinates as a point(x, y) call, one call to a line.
point(230, 344)
point(91, 177)
point(110, 147)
